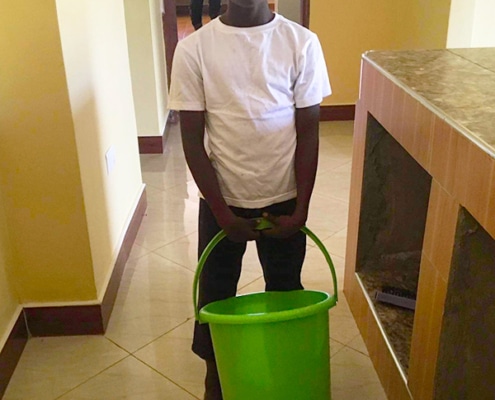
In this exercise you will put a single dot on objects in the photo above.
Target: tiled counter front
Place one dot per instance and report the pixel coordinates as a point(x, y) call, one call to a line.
point(439, 106)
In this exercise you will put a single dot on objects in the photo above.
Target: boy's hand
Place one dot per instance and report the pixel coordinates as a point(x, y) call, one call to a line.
point(284, 226)
point(240, 229)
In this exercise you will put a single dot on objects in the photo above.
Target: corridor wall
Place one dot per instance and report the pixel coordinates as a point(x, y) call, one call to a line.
point(349, 28)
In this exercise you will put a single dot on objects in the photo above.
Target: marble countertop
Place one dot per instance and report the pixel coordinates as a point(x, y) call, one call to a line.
point(456, 84)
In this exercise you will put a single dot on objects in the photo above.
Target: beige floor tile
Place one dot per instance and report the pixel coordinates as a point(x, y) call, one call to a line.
point(184, 252)
point(186, 191)
point(254, 287)
point(336, 244)
point(327, 163)
point(167, 222)
point(154, 297)
point(353, 377)
point(335, 347)
point(171, 355)
point(358, 344)
point(342, 129)
point(335, 183)
point(327, 215)
point(316, 274)
point(343, 328)
point(137, 251)
point(50, 367)
point(129, 379)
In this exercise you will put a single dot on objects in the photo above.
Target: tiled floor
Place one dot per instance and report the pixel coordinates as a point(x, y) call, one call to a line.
point(145, 353)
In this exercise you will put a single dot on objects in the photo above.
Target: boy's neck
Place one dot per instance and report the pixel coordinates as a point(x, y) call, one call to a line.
point(247, 13)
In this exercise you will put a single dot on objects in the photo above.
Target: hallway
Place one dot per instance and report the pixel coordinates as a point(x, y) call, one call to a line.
point(145, 353)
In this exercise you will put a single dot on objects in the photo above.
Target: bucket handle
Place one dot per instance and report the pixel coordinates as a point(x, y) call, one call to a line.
point(262, 224)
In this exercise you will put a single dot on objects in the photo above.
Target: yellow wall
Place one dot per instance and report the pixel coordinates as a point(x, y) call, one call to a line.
point(39, 171)
point(349, 28)
point(9, 303)
point(147, 61)
point(94, 43)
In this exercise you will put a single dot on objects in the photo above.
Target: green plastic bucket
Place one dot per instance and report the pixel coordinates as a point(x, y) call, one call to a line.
point(271, 345)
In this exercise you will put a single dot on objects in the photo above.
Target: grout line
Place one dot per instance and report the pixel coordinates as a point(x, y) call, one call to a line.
point(163, 375)
point(162, 335)
point(93, 376)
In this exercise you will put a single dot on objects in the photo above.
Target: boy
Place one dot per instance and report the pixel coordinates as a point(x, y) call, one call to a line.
point(254, 80)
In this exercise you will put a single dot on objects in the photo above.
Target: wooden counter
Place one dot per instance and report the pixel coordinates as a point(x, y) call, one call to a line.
point(422, 217)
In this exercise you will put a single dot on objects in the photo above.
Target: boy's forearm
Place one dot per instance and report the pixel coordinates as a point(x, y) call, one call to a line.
point(192, 131)
point(306, 158)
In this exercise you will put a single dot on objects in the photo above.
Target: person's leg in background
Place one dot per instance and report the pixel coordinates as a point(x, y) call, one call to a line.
point(214, 8)
point(218, 281)
point(196, 10)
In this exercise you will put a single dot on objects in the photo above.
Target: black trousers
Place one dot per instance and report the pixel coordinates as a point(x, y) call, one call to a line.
point(281, 261)
point(197, 11)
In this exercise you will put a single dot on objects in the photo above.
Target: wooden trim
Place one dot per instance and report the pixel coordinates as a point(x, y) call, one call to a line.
point(337, 113)
point(12, 351)
point(92, 319)
point(151, 144)
point(156, 144)
point(118, 270)
point(305, 13)
point(68, 320)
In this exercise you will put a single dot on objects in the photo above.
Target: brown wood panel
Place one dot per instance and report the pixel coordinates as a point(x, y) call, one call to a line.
point(461, 158)
point(367, 83)
point(423, 137)
point(337, 112)
point(60, 321)
point(489, 219)
point(432, 293)
point(479, 169)
point(151, 144)
point(12, 351)
point(422, 323)
point(397, 119)
point(443, 151)
point(444, 233)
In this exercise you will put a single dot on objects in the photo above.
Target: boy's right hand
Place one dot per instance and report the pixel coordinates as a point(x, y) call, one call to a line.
point(240, 229)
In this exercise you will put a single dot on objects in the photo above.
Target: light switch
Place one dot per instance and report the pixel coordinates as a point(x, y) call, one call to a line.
point(110, 159)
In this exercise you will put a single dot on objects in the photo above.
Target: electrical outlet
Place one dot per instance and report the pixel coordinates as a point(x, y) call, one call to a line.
point(110, 159)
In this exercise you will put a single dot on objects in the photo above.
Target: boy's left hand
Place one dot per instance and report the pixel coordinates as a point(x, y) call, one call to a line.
point(284, 226)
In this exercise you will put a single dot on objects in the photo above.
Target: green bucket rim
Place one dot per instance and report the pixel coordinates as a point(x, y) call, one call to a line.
point(262, 224)
point(327, 301)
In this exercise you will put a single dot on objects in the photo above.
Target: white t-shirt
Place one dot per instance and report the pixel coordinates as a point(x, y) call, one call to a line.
point(249, 82)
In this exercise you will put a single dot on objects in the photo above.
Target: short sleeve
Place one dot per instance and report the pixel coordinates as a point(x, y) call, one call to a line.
point(186, 82)
point(312, 83)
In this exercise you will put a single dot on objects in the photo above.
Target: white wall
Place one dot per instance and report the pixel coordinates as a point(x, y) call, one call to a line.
point(484, 24)
point(94, 44)
point(147, 62)
point(471, 24)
